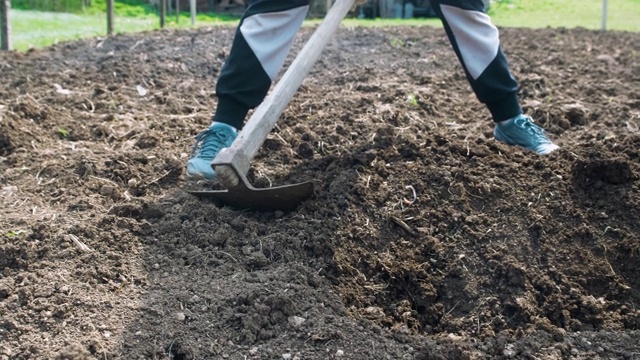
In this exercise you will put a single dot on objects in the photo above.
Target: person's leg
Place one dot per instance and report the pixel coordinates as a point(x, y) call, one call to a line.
point(261, 44)
point(476, 42)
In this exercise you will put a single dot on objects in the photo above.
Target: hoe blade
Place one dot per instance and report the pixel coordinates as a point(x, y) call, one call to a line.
point(245, 196)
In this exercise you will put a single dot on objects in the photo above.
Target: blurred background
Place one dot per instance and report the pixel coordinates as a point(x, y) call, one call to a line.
point(26, 24)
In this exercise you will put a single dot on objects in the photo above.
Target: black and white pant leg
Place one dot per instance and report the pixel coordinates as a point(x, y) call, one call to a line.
point(262, 42)
point(476, 42)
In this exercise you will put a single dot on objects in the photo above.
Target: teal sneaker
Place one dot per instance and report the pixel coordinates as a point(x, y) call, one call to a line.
point(208, 145)
point(523, 132)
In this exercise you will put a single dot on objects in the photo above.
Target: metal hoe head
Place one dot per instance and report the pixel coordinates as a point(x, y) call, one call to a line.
point(245, 196)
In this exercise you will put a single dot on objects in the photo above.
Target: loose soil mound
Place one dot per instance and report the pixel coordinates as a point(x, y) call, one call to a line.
point(425, 239)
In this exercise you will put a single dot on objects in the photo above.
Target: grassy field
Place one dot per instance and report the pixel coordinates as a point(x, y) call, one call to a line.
point(621, 14)
point(37, 29)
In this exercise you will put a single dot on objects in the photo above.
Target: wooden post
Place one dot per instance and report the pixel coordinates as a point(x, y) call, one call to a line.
point(109, 17)
point(192, 7)
point(604, 15)
point(5, 25)
point(163, 12)
point(177, 11)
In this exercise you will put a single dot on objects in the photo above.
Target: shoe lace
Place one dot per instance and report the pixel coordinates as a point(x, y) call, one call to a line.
point(533, 129)
point(209, 143)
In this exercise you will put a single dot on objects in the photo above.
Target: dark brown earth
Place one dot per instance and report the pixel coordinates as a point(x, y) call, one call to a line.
point(425, 239)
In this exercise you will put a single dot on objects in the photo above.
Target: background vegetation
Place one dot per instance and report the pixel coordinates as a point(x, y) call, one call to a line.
point(51, 5)
point(86, 18)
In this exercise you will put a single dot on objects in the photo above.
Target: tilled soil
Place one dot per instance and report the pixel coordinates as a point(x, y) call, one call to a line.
point(425, 238)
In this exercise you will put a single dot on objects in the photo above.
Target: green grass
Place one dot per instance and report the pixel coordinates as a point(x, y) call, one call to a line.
point(34, 29)
point(536, 14)
point(621, 14)
point(38, 29)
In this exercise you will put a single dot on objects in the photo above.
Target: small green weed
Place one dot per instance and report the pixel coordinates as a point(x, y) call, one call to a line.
point(64, 133)
point(14, 233)
point(412, 100)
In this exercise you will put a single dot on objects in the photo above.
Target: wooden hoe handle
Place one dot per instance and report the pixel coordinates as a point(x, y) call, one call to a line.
point(264, 118)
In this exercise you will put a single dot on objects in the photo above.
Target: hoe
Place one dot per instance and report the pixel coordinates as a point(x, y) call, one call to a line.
point(232, 164)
